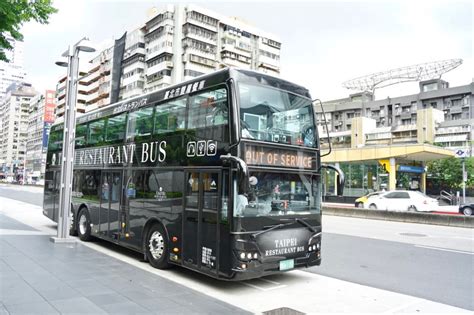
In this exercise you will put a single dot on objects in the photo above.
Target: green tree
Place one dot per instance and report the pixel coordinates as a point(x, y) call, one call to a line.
point(13, 13)
point(449, 172)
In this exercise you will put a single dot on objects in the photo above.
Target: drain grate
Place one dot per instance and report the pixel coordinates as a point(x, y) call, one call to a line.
point(413, 234)
point(283, 311)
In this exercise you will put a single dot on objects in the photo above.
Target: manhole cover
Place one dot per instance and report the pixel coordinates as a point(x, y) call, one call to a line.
point(413, 234)
point(283, 311)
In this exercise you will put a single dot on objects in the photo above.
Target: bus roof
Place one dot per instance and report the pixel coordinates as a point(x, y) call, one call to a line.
point(191, 86)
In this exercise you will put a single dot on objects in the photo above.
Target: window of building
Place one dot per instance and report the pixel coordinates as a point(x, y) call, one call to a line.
point(456, 116)
point(430, 87)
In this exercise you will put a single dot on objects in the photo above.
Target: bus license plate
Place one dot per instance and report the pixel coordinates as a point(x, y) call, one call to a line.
point(287, 264)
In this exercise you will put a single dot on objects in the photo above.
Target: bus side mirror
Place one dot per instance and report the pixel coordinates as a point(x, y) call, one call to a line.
point(242, 166)
point(340, 177)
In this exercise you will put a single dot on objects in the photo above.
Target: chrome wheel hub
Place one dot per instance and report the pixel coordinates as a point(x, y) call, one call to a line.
point(82, 224)
point(156, 245)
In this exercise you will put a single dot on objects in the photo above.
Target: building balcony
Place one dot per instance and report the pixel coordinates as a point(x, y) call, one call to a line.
point(165, 65)
point(166, 49)
point(210, 63)
point(191, 20)
point(236, 50)
point(235, 63)
point(453, 138)
point(138, 50)
point(207, 40)
point(151, 84)
point(93, 86)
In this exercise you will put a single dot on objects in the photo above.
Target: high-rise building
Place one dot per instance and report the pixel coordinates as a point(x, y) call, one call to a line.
point(41, 116)
point(174, 44)
point(82, 95)
point(12, 71)
point(14, 119)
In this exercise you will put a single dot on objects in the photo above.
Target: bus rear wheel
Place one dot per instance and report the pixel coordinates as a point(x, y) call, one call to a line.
point(156, 247)
point(84, 225)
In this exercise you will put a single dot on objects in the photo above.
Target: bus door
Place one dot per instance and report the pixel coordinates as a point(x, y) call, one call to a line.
point(201, 221)
point(111, 184)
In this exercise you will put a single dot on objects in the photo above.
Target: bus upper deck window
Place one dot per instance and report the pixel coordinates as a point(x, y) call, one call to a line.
point(209, 108)
point(140, 123)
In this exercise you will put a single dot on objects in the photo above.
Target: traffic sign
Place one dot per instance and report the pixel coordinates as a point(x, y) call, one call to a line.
point(460, 153)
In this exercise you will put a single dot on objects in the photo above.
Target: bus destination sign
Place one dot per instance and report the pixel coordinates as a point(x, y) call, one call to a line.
point(262, 156)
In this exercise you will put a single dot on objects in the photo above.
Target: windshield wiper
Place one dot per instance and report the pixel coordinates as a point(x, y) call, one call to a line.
point(273, 227)
point(302, 222)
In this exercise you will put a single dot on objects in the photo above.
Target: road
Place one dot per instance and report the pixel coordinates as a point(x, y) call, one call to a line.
point(429, 262)
point(30, 194)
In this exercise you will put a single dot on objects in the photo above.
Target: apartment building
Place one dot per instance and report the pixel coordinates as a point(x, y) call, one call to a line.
point(176, 43)
point(397, 120)
point(82, 95)
point(14, 119)
point(41, 117)
point(12, 71)
point(385, 144)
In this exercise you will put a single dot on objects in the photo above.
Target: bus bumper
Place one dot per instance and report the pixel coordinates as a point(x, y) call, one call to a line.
point(257, 269)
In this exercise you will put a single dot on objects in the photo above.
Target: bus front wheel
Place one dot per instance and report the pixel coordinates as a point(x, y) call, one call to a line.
point(156, 247)
point(84, 225)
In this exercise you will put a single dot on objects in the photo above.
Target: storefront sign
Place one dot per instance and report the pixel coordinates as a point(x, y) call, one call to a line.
point(411, 169)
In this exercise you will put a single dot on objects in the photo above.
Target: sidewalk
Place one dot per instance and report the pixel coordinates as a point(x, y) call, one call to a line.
point(40, 277)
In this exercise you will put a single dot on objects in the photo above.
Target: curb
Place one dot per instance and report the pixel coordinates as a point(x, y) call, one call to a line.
point(399, 216)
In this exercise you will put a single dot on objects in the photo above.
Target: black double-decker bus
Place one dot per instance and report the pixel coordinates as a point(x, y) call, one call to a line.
point(220, 174)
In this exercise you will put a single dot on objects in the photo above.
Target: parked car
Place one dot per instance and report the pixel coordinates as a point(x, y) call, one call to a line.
point(397, 200)
point(360, 202)
point(466, 209)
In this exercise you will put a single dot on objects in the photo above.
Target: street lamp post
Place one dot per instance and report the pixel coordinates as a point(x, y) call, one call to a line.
point(67, 157)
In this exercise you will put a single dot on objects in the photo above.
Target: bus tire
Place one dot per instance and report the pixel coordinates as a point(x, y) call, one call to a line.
point(156, 247)
point(84, 225)
point(73, 230)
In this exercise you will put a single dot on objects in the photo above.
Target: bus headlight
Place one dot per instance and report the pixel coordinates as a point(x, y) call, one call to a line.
point(248, 256)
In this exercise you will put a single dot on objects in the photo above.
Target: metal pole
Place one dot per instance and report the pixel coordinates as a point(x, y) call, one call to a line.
point(464, 181)
point(67, 158)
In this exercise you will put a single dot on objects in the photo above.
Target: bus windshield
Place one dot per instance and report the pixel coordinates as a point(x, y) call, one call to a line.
point(273, 115)
point(277, 194)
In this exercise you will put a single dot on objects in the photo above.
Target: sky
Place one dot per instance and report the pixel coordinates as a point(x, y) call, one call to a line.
point(324, 43)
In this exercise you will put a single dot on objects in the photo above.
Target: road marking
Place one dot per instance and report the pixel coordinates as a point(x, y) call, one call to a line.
point(262, 288)
point(445, 249)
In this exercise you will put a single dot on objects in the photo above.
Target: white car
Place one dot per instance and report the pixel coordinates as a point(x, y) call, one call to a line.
point(401, 200)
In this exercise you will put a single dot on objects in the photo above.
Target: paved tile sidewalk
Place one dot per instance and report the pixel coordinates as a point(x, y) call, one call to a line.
point(40, 277)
